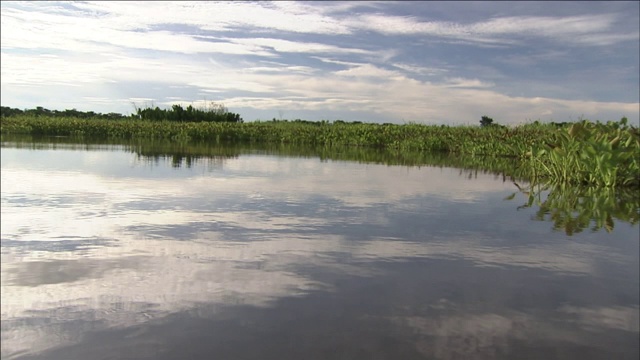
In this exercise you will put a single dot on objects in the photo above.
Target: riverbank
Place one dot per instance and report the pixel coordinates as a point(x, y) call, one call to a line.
point(584, 153)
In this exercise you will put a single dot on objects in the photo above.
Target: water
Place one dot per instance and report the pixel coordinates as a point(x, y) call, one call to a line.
point(109, 252)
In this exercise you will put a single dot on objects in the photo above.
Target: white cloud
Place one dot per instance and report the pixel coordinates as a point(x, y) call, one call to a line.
point(422, 70)
point(282, 68)
point(542, 25)
point(364, 71)
point(466, 83)
point(360, 87)
point(111, 44)
point(606, 39)
point(588, 28)
point(223, 16)
point(295, 46)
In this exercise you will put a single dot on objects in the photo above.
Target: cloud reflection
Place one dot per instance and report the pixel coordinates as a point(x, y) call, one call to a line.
point(254, 232)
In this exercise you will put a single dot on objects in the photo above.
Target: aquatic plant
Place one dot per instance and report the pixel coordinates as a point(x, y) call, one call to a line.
point(587, 153)
point(584, 153)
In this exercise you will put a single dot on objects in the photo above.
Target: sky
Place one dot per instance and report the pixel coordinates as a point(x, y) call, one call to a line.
point(381, 61)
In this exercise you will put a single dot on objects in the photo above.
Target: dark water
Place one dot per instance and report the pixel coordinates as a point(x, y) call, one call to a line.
point(109, 252)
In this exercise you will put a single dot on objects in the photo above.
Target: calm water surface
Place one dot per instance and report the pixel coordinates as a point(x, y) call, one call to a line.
point(110, 255)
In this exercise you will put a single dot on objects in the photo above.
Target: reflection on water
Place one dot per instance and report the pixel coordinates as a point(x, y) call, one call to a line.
point(189, 154)
point(113, 251)
point(574, 209)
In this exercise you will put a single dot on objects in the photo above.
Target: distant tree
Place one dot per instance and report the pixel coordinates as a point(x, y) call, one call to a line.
point(41, 111)
point(486, 121)
point(7, 111)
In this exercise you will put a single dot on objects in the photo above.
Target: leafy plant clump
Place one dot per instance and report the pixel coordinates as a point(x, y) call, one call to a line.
point(587, 153)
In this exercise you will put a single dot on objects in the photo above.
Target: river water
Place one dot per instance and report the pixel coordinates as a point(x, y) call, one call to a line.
point(108, 253)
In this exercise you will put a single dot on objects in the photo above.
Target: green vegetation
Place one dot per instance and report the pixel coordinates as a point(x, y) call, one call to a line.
point(212, 113)
point(486, 121)
point(584, 153)
point(573, 209)
point(495, 141)
point(72, 113)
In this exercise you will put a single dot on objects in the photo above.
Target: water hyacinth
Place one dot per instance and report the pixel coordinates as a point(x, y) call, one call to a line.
point(583, 153)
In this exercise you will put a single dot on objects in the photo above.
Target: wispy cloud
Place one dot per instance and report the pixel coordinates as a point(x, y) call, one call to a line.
point(279, 45)
point(589, 29)
point(466, 83)
point(224, 15)
point(422, 70)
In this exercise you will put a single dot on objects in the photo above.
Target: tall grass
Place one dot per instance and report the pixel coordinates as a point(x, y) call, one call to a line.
point(584, 153)
point(461, 139)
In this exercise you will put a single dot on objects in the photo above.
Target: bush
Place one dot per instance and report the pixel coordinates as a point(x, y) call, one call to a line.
point(486, 121)
point(215, 113)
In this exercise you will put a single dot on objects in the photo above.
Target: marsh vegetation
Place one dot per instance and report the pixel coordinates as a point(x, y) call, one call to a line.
point(584, 153)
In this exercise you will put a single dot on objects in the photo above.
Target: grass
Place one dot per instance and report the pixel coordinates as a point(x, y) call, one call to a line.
point(584, 153)
point(463, 139)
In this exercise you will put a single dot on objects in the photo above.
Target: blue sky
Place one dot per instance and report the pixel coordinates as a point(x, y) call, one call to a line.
point(425, 62)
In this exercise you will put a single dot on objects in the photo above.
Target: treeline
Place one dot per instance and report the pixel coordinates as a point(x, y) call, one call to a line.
point(317, 123)
point(211, 113)
point(6, 111)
